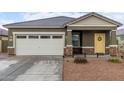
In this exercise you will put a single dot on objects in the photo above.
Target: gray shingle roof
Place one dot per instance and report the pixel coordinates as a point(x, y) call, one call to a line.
point(3, 32)
point(54, 22)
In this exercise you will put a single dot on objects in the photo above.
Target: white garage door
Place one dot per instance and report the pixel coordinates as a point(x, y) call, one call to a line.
point(43, 44)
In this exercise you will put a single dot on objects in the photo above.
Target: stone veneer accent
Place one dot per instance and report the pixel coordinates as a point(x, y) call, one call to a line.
point(68, 51)
point(90, 51)
point(113, 51)
point(11, 51)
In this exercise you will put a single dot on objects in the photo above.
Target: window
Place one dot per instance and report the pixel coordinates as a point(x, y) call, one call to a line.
point(76, 40)
point(21, 37)
point(33, 37)
point(56, 37)
point(45, 37)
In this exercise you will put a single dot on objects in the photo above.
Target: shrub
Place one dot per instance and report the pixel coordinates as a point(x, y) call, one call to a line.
point(114, 60)
point(80, 60)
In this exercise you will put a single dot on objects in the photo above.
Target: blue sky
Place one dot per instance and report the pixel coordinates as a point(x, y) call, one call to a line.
point(12, 17)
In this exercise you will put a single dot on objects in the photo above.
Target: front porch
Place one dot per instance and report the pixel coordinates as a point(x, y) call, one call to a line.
point(82, 42)
point(91, 34)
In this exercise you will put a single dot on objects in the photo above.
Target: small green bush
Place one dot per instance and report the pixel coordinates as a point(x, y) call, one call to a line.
point(114, 60)
point(80, 60)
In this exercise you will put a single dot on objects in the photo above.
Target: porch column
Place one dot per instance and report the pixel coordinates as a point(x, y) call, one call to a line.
point(69, 48)
point(113, 43)
point(11, 49)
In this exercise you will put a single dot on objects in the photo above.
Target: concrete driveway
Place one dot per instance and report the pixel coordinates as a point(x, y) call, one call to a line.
point(33, 68)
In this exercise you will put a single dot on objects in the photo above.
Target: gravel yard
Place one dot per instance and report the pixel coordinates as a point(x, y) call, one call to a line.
point(93, 70)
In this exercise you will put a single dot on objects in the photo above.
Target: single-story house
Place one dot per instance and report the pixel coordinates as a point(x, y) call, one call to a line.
point(89, 34)
point(3, 40)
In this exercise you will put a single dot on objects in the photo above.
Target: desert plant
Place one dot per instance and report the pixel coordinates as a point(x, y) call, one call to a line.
point(80, 60)
point(114, 60)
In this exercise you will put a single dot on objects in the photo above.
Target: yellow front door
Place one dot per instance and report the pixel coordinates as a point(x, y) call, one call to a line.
point(99, 43)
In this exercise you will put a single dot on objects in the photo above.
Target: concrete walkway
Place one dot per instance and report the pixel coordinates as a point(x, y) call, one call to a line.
point(34, 68)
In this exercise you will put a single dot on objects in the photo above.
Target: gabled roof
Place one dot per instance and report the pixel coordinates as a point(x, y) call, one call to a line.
point(57, 22)
point(54, 22)
point(96, 15)
point(3, 32)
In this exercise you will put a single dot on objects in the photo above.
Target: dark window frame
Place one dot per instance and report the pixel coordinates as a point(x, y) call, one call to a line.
point(45, 37)
point(21, 36)
point(57, 37)
point(33, 37)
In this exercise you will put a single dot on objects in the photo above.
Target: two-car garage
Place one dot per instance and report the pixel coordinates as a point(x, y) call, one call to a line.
point(39, 43)
point(38, 37)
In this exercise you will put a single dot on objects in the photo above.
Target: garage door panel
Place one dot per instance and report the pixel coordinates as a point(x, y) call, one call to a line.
point(39, 46)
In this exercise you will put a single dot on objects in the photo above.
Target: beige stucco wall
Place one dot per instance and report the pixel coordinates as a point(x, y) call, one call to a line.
point(69, 38)
point(92, 21)
point(4, 38)
point(113, 38)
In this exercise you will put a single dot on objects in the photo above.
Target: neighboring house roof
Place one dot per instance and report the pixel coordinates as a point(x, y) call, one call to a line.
point(54, 22)
point(96, 15)
point(3, 32)
point(57, 22)
point(120, 32)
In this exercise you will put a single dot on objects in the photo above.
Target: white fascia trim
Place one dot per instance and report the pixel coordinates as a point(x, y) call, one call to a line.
point(87, 47)
point(69, 30)
point(34, 26)
point(113, 45)
point(10, 47)
point(92, 47)
point(28, 33)
point(69, 46)
point(93, 25)
point(113, 30)
point(83, 46)
point(107, 47)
